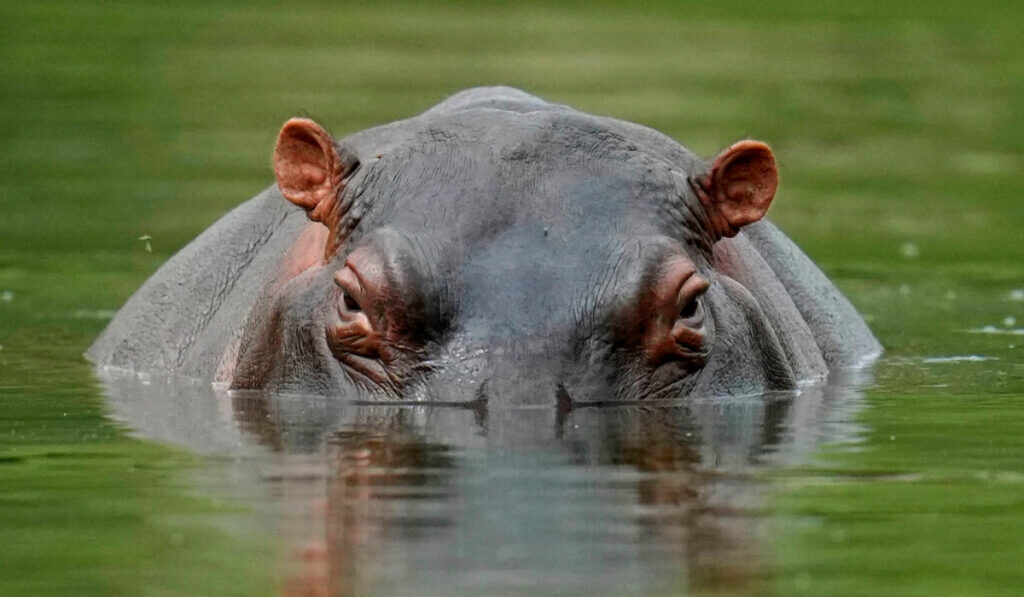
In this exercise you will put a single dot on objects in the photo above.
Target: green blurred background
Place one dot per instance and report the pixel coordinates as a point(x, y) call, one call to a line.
point(898, 131)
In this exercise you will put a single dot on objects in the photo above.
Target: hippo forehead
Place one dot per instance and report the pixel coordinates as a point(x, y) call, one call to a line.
point(523, 221)
point(480, 175)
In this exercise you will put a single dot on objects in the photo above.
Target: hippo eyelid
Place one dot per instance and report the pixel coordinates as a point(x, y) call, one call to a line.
point(691, 307)
point(692, 288)
point(349, 280)
point(355, 295)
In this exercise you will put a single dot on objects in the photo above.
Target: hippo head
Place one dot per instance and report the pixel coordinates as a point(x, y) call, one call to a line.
point(521, 257)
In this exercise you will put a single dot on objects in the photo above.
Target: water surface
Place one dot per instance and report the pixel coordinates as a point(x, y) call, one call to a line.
point(127, 129)
point(436, 500)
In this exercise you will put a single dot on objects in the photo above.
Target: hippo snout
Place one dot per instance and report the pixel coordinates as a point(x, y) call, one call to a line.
point(520, 374)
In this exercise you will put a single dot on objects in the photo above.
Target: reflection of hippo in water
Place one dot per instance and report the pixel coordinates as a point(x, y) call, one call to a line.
point(495, 248)
point(400, 499)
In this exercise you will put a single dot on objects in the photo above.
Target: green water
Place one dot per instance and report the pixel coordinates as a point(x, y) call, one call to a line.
point(897, 131)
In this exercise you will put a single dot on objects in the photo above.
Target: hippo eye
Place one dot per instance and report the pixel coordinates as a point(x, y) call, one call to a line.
point(690, 299)
point(692, 313)
point(361, 325)
point(351, 304)
point(678, 329)
point(688, 330)
point(690, 309)
point(352, 331)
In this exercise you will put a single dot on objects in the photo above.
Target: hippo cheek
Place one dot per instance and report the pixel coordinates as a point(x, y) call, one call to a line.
point(283, 348)
point(746, 357)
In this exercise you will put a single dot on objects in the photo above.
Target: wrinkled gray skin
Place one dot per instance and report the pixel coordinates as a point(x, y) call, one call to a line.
point(519, 232)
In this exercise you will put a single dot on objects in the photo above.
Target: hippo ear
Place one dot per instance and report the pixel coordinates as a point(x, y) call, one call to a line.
point(739, 187)
point(311, 171)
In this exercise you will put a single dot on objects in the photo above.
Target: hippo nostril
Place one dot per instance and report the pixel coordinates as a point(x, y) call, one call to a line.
point(481, 392)
point(563, 399)
point(499, 391)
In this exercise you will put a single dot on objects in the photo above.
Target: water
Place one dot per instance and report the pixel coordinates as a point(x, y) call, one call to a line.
point(434, 500)
point(127, 129)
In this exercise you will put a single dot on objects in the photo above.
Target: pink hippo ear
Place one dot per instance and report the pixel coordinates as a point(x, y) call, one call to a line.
point(739, 187)
point(311, 171)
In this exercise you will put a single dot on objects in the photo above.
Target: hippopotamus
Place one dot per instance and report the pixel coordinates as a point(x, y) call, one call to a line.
point(496, 249)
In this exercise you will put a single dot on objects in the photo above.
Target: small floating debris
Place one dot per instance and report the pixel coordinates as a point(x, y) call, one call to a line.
point(1017, 294)
point(970, 358)
point(1009, 322)
point(909, 250)
point(6, 296)
point(146, 238)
